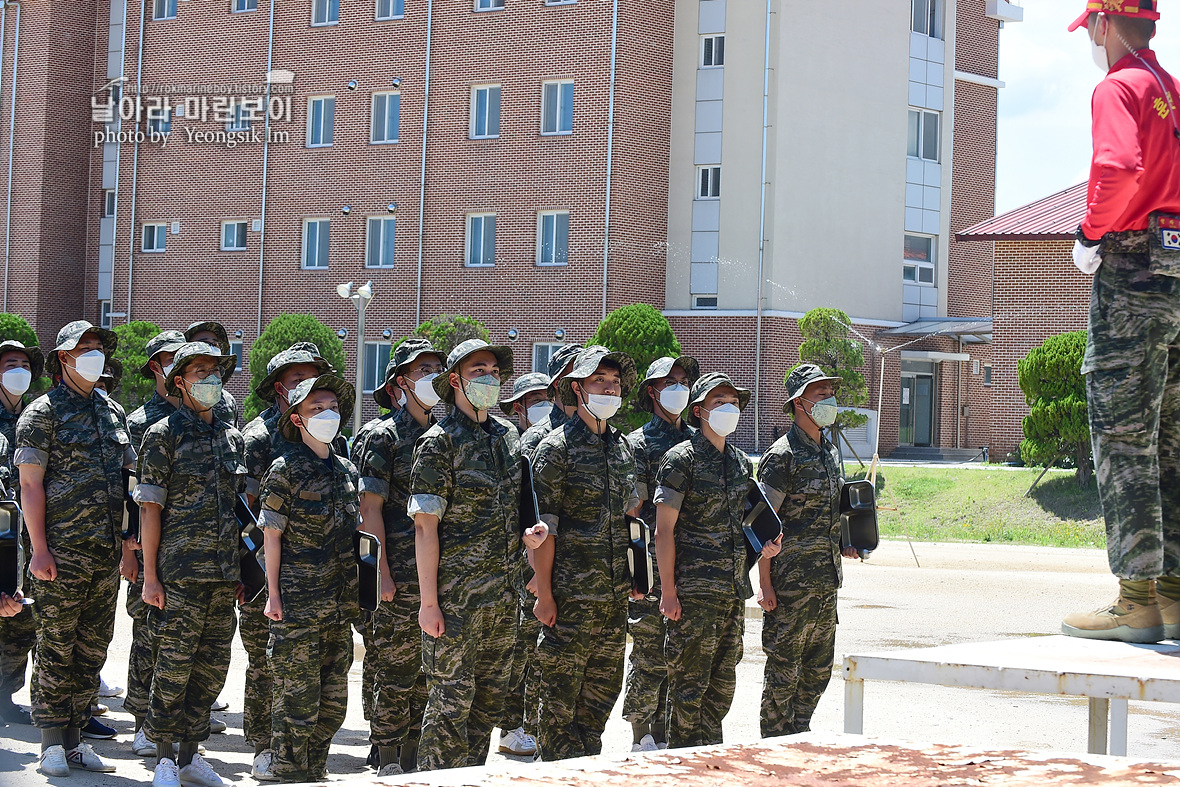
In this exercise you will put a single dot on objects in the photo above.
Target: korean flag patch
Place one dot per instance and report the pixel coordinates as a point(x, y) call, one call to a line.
point(1169, 229)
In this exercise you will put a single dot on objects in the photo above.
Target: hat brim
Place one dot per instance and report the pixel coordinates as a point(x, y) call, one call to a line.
point(743, 395)
point(792, 396)
point(266, 388)
point(171, 347)
point(109, 342)
point(381, 396)
point(506, 404)
point(692, 369)
point(212, 327)
point(1081, 20)
point(345, 394)
point(35, 356)
point(442, 383)
point(226, 364)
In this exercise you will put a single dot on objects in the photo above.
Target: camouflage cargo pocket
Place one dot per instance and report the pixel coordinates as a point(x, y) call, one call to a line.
point(1116, 391)
point(1164, 244)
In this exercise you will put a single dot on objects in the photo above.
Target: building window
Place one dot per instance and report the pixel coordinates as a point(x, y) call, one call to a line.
point(233, 236)
point(379, 246)
point(481, 240)
point(489, 5)
point(704, 301)
point(108, 202)
point(315, 243)
point(391, 9)
point(320, 114)
point(245, 5)
point(553, 237)
point(163, 9)
point(235, 348)
point(708, 182)
point(923, 135)
point(542, 352)
point(159, 121)
point(918, 267)
point(712, 51)
point(240, 116)
point(153, 237)
point(376, 359)
point(104, 314)
point(926, 16)
point(557, 108)
point(485, 112)
point(325, 12)
point(987, 374)
point(386, 113)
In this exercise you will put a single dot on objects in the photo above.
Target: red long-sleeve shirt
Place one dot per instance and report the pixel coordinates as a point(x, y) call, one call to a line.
point(1136, 164)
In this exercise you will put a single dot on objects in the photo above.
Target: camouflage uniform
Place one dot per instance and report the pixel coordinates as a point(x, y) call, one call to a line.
point(383, 453)
point(195, 471)
point(803, 481)
point(703, 648)
point(313, 504)
point(585, 483)
point(83, 445)
point(468, 475)
point(18, 634)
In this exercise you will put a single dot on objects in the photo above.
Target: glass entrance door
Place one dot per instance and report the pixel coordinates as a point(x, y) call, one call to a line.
point(916, 421)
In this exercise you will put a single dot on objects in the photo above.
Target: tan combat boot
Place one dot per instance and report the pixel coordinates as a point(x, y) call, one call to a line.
point(1170, 612)
point(1123, 621)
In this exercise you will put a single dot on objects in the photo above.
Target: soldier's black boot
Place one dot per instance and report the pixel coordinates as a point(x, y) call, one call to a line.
point(12, 713)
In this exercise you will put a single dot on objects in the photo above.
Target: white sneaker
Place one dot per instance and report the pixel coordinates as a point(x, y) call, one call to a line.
point(392, 769)
point(199, 773)
point(262, 769)
point(662, 745)
point(107, 690)
point(216, 725)
point(646, 743)
point(141, 746)
point(53, 762)
point(86, 759)
point(516, 742)
point(219, 704)
point(166, 774)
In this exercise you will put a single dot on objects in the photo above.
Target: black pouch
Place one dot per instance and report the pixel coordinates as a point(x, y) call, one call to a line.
point(12, 556)
point(368, 571)
point(639, 557)
point(760, 523)
point(130, 507)
point(1163, 244)
point(252, 561)
point(858, 517)
point(529, 508)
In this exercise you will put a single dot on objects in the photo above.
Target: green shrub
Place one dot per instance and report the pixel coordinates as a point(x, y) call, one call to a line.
point(643, 333)
point(134, 389)
point(1057, 425)
point(281, 333)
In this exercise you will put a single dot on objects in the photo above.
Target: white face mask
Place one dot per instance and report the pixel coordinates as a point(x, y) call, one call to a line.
point(401, 398)
point(538, 412)
point(1098, 52)
point(723, 419)
point(424, 391)
point(16, 381)
point(168, 370)
point(602, 406)
point(674, 398)
point(89, 365)
point(324, 426)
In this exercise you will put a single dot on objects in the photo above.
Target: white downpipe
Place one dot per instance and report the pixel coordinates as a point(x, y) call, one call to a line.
point(610, 148)
point(11, 133)
point(270, 42)
point(422, 177)
point(134, 159)
point(761, 237)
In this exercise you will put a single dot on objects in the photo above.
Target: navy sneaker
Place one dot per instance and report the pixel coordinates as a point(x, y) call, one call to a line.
point(98, 731)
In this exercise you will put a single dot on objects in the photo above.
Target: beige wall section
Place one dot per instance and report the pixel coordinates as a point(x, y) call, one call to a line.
point(682, 175)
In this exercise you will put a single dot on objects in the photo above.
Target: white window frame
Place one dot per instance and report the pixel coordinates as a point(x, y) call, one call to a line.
point(244, 6)
point(709, 182)
point(921, 266)
point(556, 216)
point(245, 228)
point(378, 368)
point(558, 130)
point(923, 119)
point(104, 314)
point(471, 217)
point(169, 9)
point(387, 95)
point(551, 347)
point(109, 202)
point(475, 91)
point(710, 61)
point(304, 248)
point(159, 120)
point(384, 229)
point(159, 238)
point(932, 17)
point(235, 348)
point(329, 6)
point(311, 102)
point(394, 13)
point(236, 122)
point(488, 5)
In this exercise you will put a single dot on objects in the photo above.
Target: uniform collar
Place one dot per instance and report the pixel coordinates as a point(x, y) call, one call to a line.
point(807, 438)
point(611, 435)
point(657, 424)
point(216, 426)
point(1130, 60)
point(490, 426)
point(701, 443)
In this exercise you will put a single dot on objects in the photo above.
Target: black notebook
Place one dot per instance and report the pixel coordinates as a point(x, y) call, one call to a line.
point(639, 557)
point(760, 523)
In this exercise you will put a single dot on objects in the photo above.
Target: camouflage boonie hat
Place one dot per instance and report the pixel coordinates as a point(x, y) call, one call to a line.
point(36, 359)
point(561, 359)
point(162, 342)
point(406, 353)
point(190, 351)
point(802, 376)
point(213, 327)
point(442, 383)
point(661, 368)
point(69, 336)
point(314, 349)
point(283, 361)
point(701, 389)
point(344, 391)
point(587, 362)
point(526, 383)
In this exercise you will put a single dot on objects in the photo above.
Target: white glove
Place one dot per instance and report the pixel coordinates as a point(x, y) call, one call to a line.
point(1087, 258)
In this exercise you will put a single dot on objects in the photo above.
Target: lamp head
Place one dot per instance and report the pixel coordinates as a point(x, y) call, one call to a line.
point(344, 290)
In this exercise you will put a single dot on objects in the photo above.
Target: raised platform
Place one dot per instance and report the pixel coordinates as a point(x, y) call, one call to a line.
point(1109, 673)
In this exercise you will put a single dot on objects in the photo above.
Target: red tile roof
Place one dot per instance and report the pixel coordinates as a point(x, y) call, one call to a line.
point(1053, 218)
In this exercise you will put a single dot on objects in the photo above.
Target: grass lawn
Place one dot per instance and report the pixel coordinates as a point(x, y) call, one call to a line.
point(988, 506)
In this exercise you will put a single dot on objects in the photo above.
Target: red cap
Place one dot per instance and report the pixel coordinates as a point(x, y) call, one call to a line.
point(1140, 9)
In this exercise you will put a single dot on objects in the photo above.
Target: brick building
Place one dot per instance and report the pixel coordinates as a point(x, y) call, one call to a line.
point(529, 164)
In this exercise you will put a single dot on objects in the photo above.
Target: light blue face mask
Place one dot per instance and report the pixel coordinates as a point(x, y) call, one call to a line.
point(823, 412)
point(482, 392)
point(207, 392)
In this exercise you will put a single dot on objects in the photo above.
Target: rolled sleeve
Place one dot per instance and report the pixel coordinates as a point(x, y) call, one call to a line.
point(129, 456)
point(275, 495)
point(252, 486)
point(672, 478)
point(666, 496)
point(430, 478)
point(272, 520)
point(374, 486)
point(149, 493)
point(551, 520)
point(641, 491)
point(30, 456)
point(426, 504)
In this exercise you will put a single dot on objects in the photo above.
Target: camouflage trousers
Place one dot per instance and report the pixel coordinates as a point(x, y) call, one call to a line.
point(192, 635)
point(75, 620)
point(393, 659)
point(520, 706)
point(18, 636)
point(309, 666)
point(254, 629)
point(466, 685)
point(646, 699)
point(368, 666)
point(141, 661)
point(581, 663)
point(703, 649)
point(799, 640)
point(1132, 368)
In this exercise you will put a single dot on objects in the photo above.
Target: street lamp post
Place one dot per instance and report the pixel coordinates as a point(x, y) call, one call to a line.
point(360, 299)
